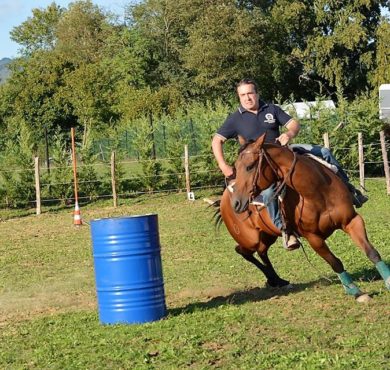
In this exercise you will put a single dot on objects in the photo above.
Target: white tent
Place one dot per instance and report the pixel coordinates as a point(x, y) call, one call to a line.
point(306, 110)
point(384, 101)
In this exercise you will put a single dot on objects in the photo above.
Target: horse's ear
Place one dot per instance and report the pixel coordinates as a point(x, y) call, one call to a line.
point(259, 141)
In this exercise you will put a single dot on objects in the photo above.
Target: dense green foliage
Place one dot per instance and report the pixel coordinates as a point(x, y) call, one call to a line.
point(220, 315)
point(150, 153)
point(165, 76)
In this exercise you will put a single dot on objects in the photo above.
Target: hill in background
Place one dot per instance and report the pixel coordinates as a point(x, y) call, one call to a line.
point(4, 71)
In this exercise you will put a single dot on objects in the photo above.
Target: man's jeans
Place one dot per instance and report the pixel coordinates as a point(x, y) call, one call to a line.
point(321, 152)
point(272, 206)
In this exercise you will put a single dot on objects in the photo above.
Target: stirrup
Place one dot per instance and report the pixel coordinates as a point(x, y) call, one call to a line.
point(290, 241)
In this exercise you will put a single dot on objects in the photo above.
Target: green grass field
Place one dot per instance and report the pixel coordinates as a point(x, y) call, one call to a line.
point(220, 315)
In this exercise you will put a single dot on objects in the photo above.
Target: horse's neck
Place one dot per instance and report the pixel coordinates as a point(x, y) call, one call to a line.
point(297, 173)
point(282, 158)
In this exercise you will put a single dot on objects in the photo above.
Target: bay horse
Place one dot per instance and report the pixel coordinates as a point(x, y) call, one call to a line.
point(316, 203)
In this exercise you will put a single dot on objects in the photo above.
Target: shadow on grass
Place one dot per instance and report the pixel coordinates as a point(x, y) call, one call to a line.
point(243, 296)
point(257, 294)
point(366, 274)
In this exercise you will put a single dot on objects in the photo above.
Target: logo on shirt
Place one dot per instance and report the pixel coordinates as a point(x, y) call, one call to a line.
point(269, 118)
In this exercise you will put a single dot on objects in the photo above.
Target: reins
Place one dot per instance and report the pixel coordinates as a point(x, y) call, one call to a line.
point(282, 182)
point(279, 189)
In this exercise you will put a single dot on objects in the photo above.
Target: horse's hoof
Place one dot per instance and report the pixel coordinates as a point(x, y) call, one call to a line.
point(287, 286)
point(363, 298)
point(278, 284)
point(387, 283)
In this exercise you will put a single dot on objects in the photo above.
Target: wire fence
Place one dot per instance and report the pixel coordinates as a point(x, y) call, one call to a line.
point(54, 185)
point(132, 178)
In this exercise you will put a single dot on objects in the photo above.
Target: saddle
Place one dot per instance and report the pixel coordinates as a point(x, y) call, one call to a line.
point(303, 152)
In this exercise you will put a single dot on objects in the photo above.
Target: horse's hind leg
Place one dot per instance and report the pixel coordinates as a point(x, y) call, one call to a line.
point(357, 231)
point(266, 267)
point(319, 245)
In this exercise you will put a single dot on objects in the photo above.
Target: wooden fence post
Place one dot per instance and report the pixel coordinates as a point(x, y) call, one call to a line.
point(113, 181)
point(37, 187)
point(77, 221)
point(326, 140)
point(190, 194)
point(385, 161)
point(361, 161)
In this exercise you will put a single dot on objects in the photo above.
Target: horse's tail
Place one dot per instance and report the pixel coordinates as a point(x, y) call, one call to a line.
point(217, 217)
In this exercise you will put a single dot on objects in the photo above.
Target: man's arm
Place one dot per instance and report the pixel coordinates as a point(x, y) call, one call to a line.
point(217, 146)
point(293, 128)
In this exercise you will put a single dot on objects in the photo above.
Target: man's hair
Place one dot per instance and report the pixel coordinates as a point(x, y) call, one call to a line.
point(247, 81)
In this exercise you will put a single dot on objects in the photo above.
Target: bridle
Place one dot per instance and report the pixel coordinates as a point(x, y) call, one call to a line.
point(281, 180)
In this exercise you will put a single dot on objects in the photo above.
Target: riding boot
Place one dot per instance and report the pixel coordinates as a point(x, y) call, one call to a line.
point(290, 241)
point(289, 238)
point(358, 198)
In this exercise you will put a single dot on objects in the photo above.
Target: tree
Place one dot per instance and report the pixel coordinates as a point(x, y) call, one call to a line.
point(381, 74)
point(203, 48)
point(290, 21)
point(161, 25)
point(39, 31)
point(341, 48)
point(34, 95)
point(81, 33)
point(226, 44)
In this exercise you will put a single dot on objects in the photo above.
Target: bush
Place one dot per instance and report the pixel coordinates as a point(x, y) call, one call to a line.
point(164, 138)
point(18, 184)
point(57, 185)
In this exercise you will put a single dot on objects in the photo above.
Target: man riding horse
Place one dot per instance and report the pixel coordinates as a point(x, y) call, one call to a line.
point(254, 118)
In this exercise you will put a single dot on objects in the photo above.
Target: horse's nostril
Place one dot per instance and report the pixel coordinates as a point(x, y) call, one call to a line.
point(239, 205)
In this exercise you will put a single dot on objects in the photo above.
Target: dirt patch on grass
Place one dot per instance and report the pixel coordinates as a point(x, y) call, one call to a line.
point(25, 313)
point(211, 292)
point(46, 299)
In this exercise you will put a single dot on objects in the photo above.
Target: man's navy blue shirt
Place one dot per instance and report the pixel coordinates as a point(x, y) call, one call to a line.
point(250, 126)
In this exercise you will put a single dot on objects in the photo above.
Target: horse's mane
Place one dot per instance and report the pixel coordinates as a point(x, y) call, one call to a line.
point(217, 213)
point(244, 146)
point(265, 145)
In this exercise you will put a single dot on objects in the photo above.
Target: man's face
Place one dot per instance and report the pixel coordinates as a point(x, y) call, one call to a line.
point(248, 97)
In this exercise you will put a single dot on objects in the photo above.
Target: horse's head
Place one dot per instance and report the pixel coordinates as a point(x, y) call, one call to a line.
point(253, 174)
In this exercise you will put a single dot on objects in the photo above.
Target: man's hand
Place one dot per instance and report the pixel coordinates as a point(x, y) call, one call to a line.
point(293, 129)
point(283, 139)
point(227, 170)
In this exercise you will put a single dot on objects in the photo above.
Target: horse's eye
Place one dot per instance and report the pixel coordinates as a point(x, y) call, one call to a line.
point(251, 167)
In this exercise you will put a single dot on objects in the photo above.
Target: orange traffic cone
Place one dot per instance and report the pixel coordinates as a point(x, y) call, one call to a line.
point(77, 216)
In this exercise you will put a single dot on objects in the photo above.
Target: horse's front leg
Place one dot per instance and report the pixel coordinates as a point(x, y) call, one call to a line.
point(273, 279)
point(276, 281)
point(319, 245)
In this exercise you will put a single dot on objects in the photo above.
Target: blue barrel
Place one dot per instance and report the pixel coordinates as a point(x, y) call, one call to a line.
point(128, 271)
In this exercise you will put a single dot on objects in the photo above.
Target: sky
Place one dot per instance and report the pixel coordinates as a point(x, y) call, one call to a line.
point(15, 12)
